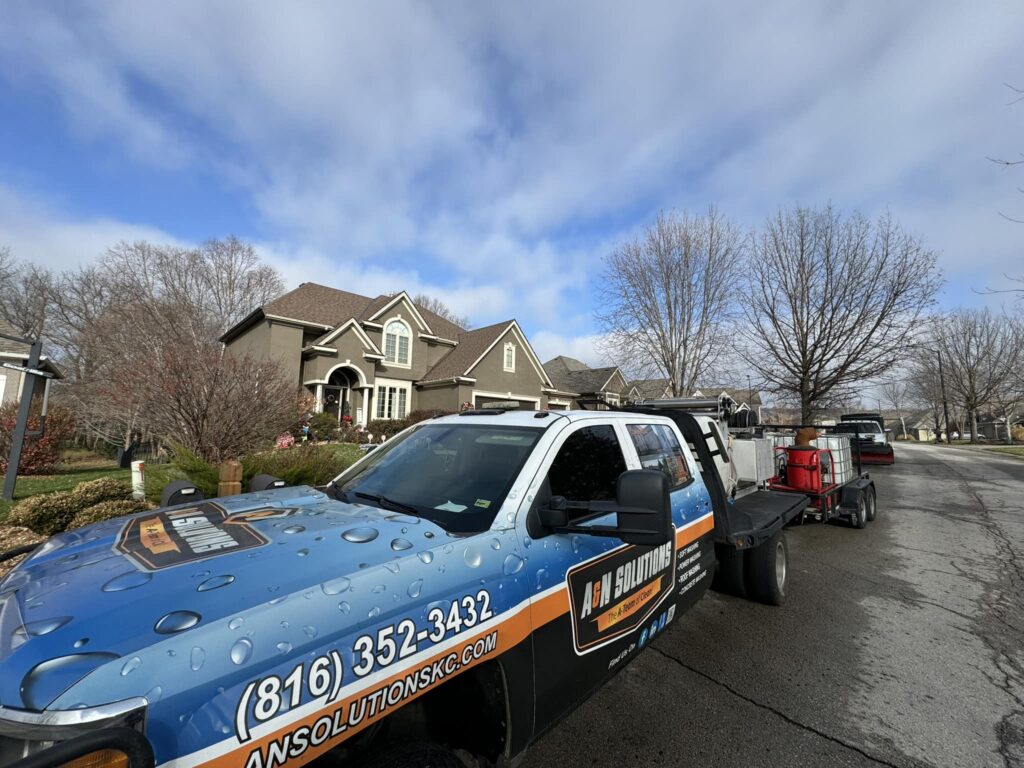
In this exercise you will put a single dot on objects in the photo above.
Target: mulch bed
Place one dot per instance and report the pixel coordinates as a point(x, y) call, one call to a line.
point(12, 537)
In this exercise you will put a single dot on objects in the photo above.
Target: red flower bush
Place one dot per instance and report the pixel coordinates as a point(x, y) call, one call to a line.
point(38, 454)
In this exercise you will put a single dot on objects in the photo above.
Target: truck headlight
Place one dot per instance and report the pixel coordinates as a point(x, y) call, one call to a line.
point(103, 758)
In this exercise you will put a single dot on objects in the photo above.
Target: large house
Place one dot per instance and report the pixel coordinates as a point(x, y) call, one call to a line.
point(660, 389)
point(606, 385)
point(16, 353)
point(384, 357)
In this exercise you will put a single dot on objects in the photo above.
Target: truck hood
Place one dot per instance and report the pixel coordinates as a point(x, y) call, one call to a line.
point(102, 613)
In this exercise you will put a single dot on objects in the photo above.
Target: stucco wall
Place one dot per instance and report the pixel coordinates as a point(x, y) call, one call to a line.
point(349, 347)
point(442, 398)
point(286, 348)
point(255, 342)
point(491, 376)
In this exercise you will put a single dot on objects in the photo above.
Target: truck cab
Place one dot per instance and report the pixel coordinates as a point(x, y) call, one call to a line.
point(456, 592)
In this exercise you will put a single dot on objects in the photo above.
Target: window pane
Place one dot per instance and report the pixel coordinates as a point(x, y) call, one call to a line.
point(403, 350)
point(658, 448)
point(401, 404)
point(391, 403)
point(588, 465)
point(390, 341)
point(380, 402)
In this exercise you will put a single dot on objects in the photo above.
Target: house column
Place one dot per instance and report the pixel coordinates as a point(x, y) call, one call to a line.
point(364, 412)
point(319, 407)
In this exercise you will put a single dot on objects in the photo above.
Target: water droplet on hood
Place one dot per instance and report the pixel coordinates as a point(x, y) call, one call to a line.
point(241, 650)
point(428, 534)
point(41, 627)
point(130, 666)
point(129, 580)
point(344, 607)
point(495, 544)
point(541, 575)
point(215, 583)
point(294, 529)
point(415, 588)
point(335, 586)
point(48, 679)
point(374, 613)
point(236, 622)
point(80, 643)
point(360, 535)
point(302, 552)
point(176, 621)
point(153, 694)
point(399, 544)
point(393, 567)
point(310, 631)
point(378, 589)
point(472, 557)
point(284, 647)
point(425, 557)
point(513, 564)
point(196, 658)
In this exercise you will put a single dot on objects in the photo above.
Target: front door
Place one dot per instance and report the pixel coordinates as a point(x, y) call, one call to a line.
point(333, 400)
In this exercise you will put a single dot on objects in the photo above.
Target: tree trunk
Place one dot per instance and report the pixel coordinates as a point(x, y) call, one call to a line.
point(974, 425)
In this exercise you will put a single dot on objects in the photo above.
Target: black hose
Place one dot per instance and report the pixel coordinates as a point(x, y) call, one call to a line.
point(12, 553)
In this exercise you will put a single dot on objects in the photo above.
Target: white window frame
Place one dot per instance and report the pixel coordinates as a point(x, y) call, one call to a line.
point(389, 397)
point(3, 386)
point(509, 367)
point(408, 336)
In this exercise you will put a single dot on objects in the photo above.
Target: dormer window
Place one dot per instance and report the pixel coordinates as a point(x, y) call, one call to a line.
point(397, 342)
point(510, 358)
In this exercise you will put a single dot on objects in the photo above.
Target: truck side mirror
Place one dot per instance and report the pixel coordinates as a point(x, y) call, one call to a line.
point(644, 507)
point(554, 514)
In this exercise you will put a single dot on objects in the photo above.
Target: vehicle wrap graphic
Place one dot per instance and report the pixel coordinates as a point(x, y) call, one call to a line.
point(616, 593)
point(165, 539)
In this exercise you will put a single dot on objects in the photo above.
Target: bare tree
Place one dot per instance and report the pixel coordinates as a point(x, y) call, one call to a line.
point(832, 301)
point(667, 300)
point(983, 350)
point(895, 392)
point(438, 307)
point(27, 290)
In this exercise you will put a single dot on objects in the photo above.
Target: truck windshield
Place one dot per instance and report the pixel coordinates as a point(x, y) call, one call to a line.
point(456, 475)
point(855, 427)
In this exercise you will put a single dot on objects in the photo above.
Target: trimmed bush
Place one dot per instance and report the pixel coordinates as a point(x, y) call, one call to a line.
point(201, 472)
point(308, 464)
point(106, 510)
point(51, 513)
point(324, 426)
point(14, 538)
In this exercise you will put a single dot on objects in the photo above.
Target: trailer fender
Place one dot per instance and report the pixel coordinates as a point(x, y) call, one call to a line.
point(853, 489)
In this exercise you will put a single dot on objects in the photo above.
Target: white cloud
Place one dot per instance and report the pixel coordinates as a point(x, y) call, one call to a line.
point(548, 344)
point(39, 231)
point(490, 154)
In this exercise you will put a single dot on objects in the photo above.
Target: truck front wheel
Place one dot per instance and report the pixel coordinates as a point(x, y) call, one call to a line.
point(767, 571)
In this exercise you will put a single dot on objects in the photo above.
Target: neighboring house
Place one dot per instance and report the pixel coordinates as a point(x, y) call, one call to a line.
point(384, 357)
point(582, 382)
point(745, 399)
point(16, 353)
point(648, 389)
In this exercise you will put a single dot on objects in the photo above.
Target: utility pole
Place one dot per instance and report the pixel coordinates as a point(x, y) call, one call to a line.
point(21, 425)
point(945, 402)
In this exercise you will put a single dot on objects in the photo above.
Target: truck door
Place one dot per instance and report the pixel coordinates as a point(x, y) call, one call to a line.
point(658, 446)
point(582, 465)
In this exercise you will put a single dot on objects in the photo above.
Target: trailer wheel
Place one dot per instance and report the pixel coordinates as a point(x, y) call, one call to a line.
point(729, 574)
point(871, 502)
point(859, 516)
point(767, 571)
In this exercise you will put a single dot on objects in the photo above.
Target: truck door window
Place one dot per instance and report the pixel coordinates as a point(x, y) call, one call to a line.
point(588, 465)
point(658, 448)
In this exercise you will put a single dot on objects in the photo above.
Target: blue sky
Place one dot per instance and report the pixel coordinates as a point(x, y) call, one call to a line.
point(492, 154)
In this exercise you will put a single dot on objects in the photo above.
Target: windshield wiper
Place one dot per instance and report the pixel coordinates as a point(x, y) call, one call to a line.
point(386, 503)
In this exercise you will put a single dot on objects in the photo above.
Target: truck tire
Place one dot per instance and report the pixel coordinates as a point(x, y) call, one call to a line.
point(416, 755)
point(729, 574)
point(871, 502)
point(859, 515)
point(767, 571)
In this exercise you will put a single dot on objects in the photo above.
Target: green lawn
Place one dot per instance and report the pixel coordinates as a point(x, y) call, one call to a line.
point(1013, 450)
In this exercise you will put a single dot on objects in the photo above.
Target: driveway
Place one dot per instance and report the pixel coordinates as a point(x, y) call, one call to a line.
point(900, 645)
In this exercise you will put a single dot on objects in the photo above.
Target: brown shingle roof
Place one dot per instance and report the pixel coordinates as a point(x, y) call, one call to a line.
point(571, 375)
point(472, 344)
point(319, 304)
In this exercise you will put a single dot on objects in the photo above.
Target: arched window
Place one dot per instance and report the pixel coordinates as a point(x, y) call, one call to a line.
point(397, 342)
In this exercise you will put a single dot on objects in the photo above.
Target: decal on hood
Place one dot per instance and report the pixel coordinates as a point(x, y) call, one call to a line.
point(615, 594)
point(165, 539)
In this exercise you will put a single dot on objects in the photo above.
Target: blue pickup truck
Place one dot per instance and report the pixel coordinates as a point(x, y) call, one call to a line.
point(441, 603)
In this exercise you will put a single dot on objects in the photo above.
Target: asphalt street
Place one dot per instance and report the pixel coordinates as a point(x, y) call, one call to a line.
point(900, 645)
